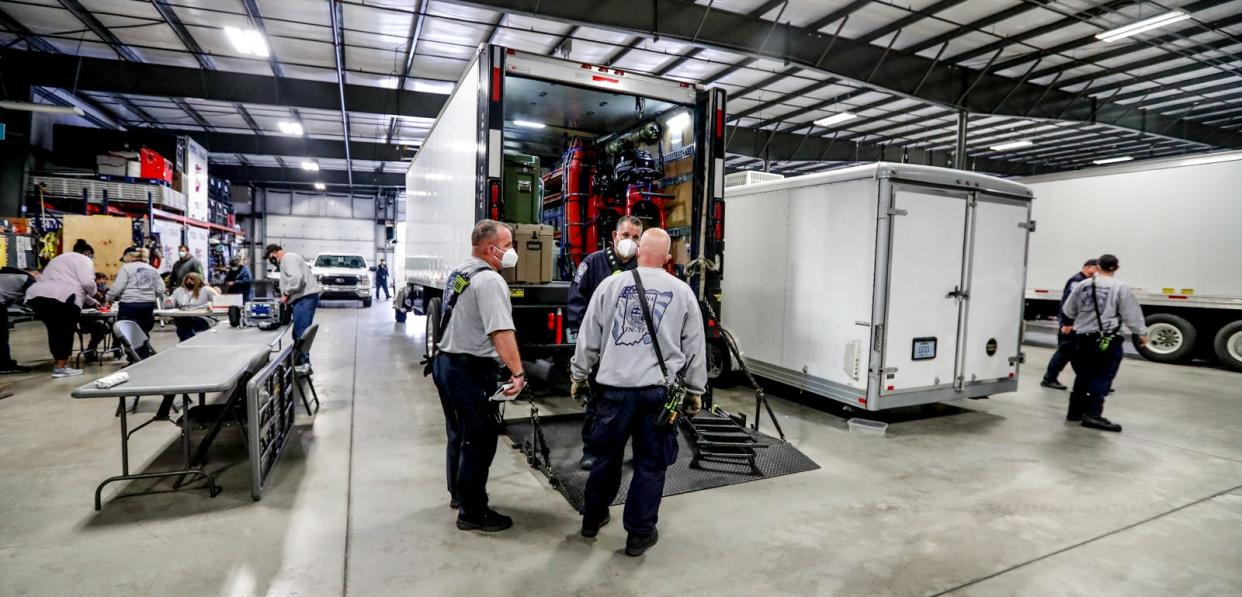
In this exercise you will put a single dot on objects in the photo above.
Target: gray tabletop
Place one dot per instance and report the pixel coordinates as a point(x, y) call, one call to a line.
point(182, 370)
point(223, 335)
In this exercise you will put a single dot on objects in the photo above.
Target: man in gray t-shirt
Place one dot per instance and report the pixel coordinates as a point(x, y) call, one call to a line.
point(476, 332)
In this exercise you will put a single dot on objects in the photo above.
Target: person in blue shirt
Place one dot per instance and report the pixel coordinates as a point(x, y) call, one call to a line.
point(593, 270)
point(239, 280)
point(381, 280)
point(1065, 341)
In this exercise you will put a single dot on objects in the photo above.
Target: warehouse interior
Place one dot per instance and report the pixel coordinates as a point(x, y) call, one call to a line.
point(961, 274)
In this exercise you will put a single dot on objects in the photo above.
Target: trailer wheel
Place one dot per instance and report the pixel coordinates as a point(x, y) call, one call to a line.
point(1170, 339)
point(718, 361)
point(1228, 345)
point(433, 325)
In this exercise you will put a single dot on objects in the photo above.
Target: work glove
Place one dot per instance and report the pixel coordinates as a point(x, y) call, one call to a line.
point(691, 405)
point(580, 391)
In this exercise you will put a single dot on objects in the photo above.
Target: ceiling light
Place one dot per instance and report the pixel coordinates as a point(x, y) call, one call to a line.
point(45, 108)
point(1124, 158)
point(528, 124)
point(247, 41)
point(310, 166)
point(1011, 145)
point(389, 83)
point(290, 128)
point(679, 121)
point(1144, 25)
point(836, 119)
point(319, 186)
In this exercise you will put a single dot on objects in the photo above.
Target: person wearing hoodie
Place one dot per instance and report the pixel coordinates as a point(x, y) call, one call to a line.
point(137, 290)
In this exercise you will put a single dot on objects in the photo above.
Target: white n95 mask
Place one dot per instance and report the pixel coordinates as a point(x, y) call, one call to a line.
point(509, 259)
point(626, 248)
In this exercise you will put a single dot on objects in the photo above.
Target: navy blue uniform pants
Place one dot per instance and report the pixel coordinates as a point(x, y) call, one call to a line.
point(622, 414)
point(472, 424)
point(1095, 370)
point(1062, 357)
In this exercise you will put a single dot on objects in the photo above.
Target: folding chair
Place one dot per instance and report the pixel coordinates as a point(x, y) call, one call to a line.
point(304, 372)
point(135, 345)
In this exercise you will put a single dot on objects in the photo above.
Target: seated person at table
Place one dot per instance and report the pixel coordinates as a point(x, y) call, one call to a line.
point(192, 294)
point(97, 328)
point(138, 289)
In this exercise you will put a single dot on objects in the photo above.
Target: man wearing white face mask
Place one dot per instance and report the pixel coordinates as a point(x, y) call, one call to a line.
point(476, 332)
point(596, 268)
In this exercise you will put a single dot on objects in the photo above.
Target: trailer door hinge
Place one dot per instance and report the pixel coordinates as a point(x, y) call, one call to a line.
point(1020, 358)
point(1030, 226)
point(893, 211)
point(877, 341)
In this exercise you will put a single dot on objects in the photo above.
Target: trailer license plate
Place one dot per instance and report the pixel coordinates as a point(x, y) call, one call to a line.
point(924, 349)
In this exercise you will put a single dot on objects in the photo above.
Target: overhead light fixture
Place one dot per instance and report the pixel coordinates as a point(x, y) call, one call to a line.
point(290, 128)
point(1011, 145)
point(679, 121)
point(310, 166)
point(528, 124)
point(389, 83)
point(1144, 25)
point(248, 42)
point(44, 108)
point(836, 119)
point(319, 186)
point(1124, 158)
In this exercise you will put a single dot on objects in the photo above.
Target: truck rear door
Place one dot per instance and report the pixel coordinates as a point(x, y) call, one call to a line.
point(926, 256)
point(993, 309)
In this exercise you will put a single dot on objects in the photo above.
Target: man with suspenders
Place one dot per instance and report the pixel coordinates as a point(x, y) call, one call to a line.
point(476, 337)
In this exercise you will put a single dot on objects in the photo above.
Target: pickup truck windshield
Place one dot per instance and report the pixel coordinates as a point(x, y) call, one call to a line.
point(351, 261)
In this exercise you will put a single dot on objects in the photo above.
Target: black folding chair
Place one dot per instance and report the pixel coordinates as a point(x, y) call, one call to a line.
point(304, 372)
point(135, 345)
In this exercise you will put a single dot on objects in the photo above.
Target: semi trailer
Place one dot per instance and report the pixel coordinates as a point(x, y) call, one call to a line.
point(1176, 226)
point(880, 286)
point(564, 148)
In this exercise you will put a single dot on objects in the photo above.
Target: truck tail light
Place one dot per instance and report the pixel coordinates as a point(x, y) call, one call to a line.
point(719, 123)
point(494, 199)
point(718, 214)
point(551, 321)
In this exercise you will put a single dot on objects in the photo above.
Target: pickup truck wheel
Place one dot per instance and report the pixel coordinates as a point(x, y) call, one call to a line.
point(1228, 345)
point(366, 302)
point(1170, 339)
point(433, 325)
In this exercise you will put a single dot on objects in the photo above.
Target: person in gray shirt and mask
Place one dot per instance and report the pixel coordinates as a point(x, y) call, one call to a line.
point(633, 386)
point(1098, 308)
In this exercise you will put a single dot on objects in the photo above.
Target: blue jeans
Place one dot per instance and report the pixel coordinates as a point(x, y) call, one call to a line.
point(303, 316)
point(472, 424)
point(622, 414)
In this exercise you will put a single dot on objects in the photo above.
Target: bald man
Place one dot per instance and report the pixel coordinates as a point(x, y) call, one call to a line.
point(615, 336)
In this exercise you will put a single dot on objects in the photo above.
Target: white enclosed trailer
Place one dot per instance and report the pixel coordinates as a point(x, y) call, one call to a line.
point(1176, 226)
point(880, 286)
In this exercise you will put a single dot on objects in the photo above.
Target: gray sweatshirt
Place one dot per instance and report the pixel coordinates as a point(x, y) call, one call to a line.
point(614, 334)
point(1117, 305)
point(137, 282)
point(296, 279)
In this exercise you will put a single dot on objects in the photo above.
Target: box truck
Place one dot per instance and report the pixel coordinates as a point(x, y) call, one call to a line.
point(1176, 226)
point(880, 286)
point(583, 145)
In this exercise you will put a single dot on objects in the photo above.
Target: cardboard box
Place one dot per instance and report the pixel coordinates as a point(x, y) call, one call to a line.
point(679, 211)
point(681, 251)
point(535, 249)
point(133, 169)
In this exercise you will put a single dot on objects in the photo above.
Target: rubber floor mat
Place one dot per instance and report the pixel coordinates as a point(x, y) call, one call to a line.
point(563, 434)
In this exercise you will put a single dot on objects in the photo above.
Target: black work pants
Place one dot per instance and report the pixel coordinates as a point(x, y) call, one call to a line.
point(1095, 369)
point(589, 419)
point(382, 286)
point(472, 423)
point(61, 320)
point(1062, 357)
point(622, 414)
point(6, 357)
point(142, 314)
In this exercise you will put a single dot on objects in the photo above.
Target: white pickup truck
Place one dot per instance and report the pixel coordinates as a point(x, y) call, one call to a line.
point(343, 277)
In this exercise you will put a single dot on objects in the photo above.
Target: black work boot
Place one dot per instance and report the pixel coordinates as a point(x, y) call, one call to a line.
point(587, 462)
point(1097, 422)
point(590, 530)
point(635, 545)
point(491, 522)
point(1054, 385)
point(1075, 411)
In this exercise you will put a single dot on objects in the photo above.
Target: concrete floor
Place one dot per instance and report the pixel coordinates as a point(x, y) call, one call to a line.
point(985, 497)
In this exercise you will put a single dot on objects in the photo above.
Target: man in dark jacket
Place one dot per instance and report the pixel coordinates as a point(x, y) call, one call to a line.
point(381, 280)
point(596, 268)
point(1065, 341)
point(239, 279)
point(185, 264)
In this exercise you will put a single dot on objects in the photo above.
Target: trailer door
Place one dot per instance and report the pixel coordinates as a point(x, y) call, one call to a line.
point(926, 250)
point(993, 309)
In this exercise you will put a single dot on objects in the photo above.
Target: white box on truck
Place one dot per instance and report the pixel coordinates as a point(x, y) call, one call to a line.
point(1176, 226)
point(880, 286)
